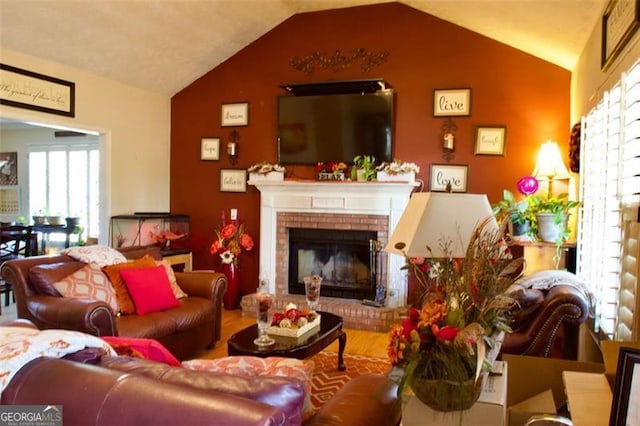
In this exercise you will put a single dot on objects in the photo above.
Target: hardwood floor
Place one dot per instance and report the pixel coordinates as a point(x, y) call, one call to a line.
point(359, 342)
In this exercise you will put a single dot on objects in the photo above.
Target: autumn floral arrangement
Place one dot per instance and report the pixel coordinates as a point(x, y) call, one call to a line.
point(263, 168)
point(231, 240)
point(397, 167)
point(441, 344)
point(331, 170)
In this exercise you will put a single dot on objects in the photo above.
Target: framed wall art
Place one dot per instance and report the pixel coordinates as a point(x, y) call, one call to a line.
point(451, 102)
point(444, 175)
point(26, 89)
point(8, 168)
point(10, 201)
point(235, 114)
point(233, 180)
point(209, 149)
point(620, 20)
point(490, 140)
point(625, 406)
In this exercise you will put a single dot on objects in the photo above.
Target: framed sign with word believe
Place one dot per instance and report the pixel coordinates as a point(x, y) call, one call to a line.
point(451, 102)
point(233, 180)
point(443, 175)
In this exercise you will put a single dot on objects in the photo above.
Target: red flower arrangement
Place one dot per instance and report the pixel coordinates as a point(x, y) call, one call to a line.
point(232, 240)
point(331, 167)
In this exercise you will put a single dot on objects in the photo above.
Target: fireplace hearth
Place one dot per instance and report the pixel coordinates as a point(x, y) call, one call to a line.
point(347, 260)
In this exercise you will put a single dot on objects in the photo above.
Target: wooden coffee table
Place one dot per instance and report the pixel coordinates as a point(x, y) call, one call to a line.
point(241, 343)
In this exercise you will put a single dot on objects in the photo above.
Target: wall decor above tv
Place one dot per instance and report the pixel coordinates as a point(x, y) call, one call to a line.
point(335, 122)
point(370, 85)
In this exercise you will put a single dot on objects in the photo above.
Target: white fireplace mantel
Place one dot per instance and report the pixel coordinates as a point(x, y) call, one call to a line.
point(367, 198)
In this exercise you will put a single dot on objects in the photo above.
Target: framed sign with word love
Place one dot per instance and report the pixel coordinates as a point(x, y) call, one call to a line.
point(235, 114)
point(449, 177)
point(451, 102)
point(490, 140)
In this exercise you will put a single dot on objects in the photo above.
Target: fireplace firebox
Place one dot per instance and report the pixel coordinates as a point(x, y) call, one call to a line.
point(346, 260)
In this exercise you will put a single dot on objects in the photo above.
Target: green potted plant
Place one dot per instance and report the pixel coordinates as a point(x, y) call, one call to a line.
point(364, 168)
point(552, 216)
point(519, 213)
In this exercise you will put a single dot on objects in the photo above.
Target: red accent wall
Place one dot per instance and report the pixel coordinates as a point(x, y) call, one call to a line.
point(509, 87)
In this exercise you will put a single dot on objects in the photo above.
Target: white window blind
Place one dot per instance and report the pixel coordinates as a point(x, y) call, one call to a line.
point(610, 182)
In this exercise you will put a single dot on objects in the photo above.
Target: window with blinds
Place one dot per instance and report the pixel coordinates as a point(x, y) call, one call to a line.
point(608, 244)
point(64, 179)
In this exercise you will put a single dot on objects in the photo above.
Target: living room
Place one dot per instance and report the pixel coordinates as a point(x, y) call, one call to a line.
point(153, 138)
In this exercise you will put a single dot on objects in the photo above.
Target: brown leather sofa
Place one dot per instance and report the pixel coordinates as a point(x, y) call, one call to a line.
point(136, 392)
point(542, 315)
point(185, 330)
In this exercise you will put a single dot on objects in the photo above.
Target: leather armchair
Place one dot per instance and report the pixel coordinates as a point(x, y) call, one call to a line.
point(543, 312)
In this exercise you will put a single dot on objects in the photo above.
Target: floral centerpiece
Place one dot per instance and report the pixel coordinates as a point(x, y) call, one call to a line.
point(231, 240)
point(397, 171)
point(266, 171)
point(331, 171)
point(441, 344)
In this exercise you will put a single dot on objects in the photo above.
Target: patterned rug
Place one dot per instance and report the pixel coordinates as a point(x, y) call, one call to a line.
point(327, 380)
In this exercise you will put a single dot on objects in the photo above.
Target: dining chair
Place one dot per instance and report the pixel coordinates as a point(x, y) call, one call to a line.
point(15, 241)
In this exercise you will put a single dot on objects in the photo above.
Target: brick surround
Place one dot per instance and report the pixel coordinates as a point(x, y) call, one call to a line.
point(356, 222)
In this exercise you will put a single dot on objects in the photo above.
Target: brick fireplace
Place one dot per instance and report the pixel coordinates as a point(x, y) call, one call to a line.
point(369, 206)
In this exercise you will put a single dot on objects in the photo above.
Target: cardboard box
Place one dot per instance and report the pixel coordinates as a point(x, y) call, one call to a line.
point(533, 381)
point(489, 410)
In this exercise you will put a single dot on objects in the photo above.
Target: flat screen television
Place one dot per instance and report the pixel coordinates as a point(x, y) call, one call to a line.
point(335, 127)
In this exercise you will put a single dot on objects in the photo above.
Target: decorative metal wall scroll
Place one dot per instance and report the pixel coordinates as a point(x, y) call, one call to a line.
point(339, 62)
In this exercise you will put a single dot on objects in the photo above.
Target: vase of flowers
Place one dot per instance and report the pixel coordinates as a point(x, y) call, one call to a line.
point(331, 171)
point(232, 239)
point(442, 344)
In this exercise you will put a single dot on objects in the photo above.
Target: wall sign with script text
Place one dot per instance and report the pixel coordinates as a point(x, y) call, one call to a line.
point(451, 102)
point(444, 175)
point(233, 180)
point(490, 140)
point(234, 114)
point(26, 89)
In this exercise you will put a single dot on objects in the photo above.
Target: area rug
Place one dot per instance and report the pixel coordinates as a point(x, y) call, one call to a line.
point(327, 380)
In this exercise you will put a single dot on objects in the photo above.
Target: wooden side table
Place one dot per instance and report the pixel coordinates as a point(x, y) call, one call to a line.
point(539, 255)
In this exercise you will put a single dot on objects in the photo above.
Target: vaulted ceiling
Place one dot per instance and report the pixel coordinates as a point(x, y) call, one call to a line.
point(163, 45)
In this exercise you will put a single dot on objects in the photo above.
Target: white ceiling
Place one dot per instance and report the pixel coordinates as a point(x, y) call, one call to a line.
point(164, 45)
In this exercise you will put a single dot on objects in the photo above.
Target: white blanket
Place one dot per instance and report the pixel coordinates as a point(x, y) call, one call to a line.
point(20, 345)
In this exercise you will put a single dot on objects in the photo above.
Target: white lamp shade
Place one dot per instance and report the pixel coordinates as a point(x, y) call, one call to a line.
point(432, 218)
point(550, 164)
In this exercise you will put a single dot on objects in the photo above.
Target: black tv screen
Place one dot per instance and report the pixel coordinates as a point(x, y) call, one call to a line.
point(323, 128)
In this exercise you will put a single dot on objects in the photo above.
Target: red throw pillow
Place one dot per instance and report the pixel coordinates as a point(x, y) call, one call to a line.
point(143, 348)
point(149, 289)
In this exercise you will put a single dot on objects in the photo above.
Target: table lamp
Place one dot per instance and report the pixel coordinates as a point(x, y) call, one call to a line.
point(550, 165)
point(431, 218)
